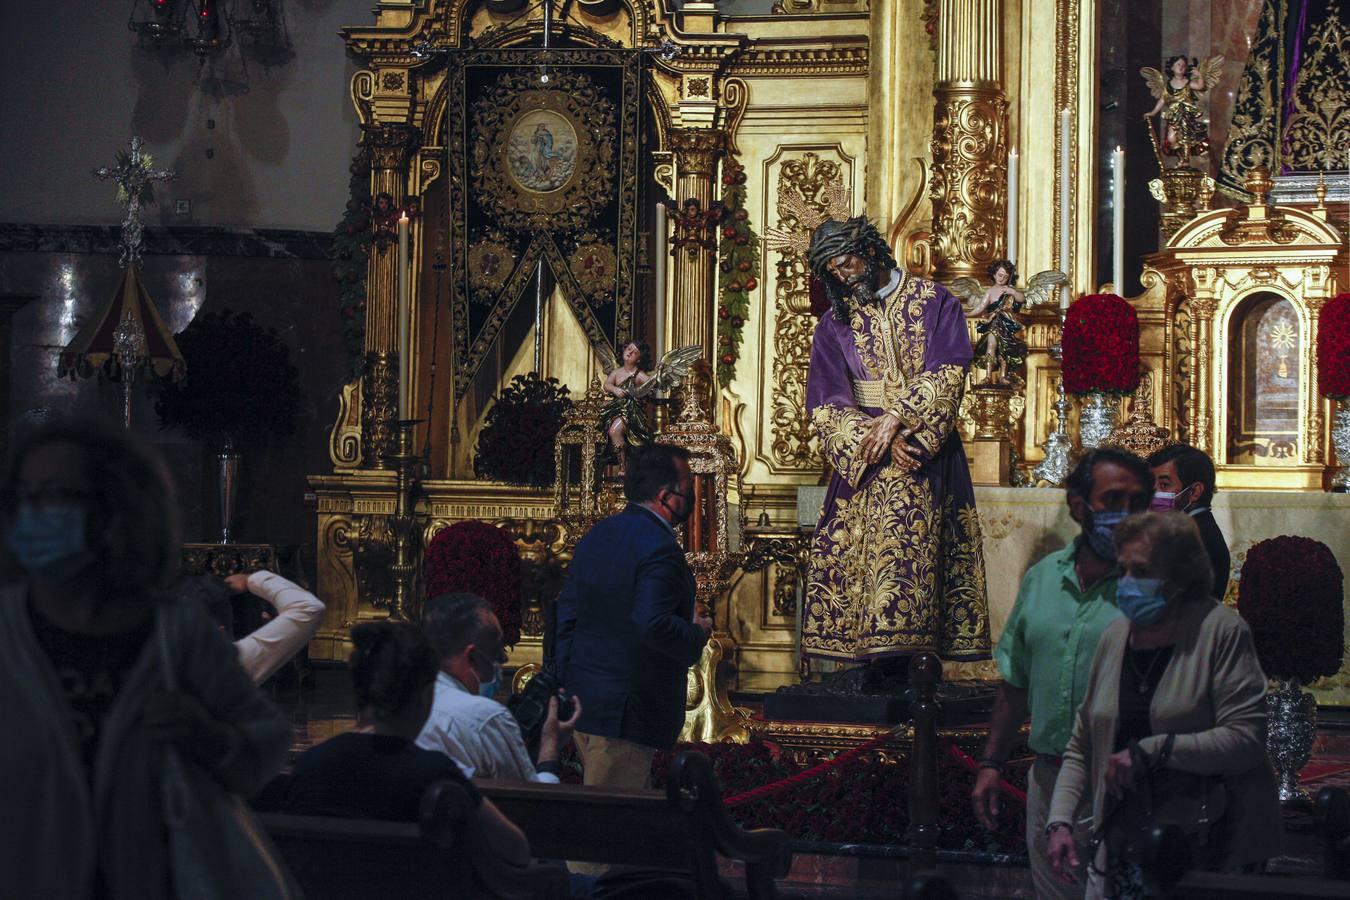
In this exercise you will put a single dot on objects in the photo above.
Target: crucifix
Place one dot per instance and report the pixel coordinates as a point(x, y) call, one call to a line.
point(135, 185)
point(135, 181)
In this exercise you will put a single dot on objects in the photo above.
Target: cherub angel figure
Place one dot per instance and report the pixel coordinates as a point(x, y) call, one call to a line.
point(630, 383)
point(998, 342)
point(1178, 92)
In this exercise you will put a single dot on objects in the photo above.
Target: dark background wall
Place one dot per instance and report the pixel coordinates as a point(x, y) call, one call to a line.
point(261, 143)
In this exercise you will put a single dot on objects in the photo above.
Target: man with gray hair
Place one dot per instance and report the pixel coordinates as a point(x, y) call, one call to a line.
point(896, 566)
point(466, 724)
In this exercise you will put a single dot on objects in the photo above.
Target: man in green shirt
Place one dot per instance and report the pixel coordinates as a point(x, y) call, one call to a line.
point(1065, 602)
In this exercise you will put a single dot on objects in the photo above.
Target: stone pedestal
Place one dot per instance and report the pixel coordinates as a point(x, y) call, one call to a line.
point(990, 461)
point(991, 453)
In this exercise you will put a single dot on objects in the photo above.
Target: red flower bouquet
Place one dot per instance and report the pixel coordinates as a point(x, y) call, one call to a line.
point(1333, 349)
point(1101, 346)
point(477, 558)
point(1291, 593)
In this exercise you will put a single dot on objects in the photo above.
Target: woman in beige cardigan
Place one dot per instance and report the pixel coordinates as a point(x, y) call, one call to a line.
point(1179, 675)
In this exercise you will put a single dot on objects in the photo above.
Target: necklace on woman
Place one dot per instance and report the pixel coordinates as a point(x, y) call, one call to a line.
point(1142, 686)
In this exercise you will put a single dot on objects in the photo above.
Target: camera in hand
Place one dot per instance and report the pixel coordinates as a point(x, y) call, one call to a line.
point(530, 706)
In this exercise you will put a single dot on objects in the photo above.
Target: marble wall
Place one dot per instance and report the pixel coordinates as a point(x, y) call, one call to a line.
point(283, 279)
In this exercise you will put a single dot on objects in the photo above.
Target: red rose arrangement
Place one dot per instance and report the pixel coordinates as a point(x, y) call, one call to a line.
point(738, 264)
point(477, 558)
point(1333, 349)
point(1291, 593)
point(1101, 346)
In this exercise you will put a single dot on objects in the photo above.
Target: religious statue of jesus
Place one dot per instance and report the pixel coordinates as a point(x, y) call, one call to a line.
point(896, 566)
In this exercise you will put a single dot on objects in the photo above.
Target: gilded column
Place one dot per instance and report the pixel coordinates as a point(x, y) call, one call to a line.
point(1202, 325)
point(390, 148)
point(970, 139)
point(695, 152)
point(1314, 440)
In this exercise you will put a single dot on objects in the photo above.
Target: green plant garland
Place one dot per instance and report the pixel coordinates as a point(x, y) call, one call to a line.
point(351, 258)
point(738, 254)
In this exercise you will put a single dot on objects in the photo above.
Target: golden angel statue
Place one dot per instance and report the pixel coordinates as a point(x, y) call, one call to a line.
point(1178, 92)
point(998, 341)
point(630, 383)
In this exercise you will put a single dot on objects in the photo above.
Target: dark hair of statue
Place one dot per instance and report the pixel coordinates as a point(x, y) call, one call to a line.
point(652, 469)
point(1079, 482)
point(131, 484)
point(391, 663)
point(1192, 465)
point(454, 621)
point(644, 354)
point(856, 237)
point(1171, 60)
point(1003, 264)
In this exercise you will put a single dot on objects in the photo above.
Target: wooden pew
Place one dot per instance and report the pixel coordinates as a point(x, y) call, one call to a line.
point(1167, 865)
point(683, 828)
point(1332, 815)
point(442, 856)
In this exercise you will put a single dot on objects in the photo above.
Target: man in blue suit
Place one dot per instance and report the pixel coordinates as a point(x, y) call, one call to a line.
point(627, 630)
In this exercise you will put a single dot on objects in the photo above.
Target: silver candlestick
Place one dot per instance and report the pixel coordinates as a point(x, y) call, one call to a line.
point(1058, 448)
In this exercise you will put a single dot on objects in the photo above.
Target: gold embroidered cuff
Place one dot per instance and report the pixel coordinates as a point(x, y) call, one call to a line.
point(870, 393)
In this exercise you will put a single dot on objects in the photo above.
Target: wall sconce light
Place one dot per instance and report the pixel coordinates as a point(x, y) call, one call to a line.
point(160, 20)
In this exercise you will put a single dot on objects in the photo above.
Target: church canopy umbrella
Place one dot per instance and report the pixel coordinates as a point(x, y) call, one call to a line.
point(128, 330)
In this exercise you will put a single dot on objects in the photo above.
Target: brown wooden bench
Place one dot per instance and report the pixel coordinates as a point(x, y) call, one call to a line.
point(442, 856)
point(1167, 862)
point(685, 828)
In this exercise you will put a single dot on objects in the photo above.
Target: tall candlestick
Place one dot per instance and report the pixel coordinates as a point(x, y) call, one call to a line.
point(1118, 220)
point(404, 319)
point(1064, 223)
point(1012, 206)
point(659, 280)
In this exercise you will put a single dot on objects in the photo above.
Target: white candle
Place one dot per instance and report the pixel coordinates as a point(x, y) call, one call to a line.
point(1064, 224)
point(404, 318)
point(659, 281)
point(1118, 220)
point(1012, 206)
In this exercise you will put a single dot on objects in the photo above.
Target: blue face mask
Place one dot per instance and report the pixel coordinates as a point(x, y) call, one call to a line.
point(1100, 529)
point(49, 541)
point(1141, 600)
point(489, 688)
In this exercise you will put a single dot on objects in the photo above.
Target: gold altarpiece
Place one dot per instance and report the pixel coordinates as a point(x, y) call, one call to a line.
point(815, 94)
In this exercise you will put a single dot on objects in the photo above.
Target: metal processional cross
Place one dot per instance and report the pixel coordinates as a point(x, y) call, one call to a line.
point(135, 185)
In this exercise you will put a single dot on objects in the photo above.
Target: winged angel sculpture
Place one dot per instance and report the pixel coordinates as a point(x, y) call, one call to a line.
point(998, 342)
point(629, 384)
point(1178, 92)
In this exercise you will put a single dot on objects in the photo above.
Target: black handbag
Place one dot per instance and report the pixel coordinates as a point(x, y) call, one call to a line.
point(1194, 803)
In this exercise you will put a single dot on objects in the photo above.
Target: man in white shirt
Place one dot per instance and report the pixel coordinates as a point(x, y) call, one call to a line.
point(466, 724)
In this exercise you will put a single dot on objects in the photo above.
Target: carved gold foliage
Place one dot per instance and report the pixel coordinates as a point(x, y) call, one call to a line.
point(344, 443)
point(379, 409)
point(970, 150)
point(809, 190)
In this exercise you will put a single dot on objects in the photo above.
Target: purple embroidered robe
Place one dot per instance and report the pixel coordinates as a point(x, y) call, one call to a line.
point(896, 565)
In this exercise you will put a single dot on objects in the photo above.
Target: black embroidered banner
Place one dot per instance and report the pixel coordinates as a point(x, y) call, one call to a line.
point(543, 154)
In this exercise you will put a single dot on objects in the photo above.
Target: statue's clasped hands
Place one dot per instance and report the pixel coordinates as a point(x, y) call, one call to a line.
point(886, 436)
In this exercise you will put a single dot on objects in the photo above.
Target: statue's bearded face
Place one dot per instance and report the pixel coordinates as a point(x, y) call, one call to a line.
point(857, 273)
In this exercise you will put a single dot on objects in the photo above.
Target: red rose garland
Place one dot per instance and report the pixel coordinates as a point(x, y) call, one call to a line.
point(738, 255)
point(1333, 349)
point(1291, 593)
point(477, 558)
point(1101, 346)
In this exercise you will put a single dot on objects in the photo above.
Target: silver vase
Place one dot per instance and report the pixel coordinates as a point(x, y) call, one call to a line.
point(1340, 439)
point(1291, 726)
point(227, 463)
point(1097, 419)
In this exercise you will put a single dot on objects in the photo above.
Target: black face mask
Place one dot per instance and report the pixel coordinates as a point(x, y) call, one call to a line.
point(678, 518)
